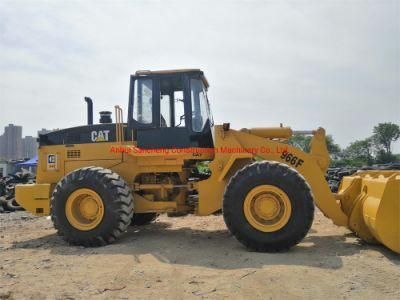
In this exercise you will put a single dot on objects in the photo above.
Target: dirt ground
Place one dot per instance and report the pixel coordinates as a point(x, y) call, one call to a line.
point(190, 257)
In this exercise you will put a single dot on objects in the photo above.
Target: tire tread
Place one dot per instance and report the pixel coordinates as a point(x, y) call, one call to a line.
point(122, 198)
point(258, 170)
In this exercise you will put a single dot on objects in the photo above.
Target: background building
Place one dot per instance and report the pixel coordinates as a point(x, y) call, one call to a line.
point(3, 169)
point(11, 142)
point(29, 147)
point(14, 147)
point(2, 151)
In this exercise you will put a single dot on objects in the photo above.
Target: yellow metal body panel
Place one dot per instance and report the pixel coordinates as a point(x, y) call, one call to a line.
point(35, 198)
point(99, 154)
point(124, 158)
point(270, 132)
point(245, 158)
point(144, 205)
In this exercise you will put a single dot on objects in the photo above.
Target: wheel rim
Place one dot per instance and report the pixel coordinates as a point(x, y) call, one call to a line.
point(267, 208)
point(84, 209)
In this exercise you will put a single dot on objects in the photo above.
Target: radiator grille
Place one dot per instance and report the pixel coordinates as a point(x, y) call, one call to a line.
point(73, 153)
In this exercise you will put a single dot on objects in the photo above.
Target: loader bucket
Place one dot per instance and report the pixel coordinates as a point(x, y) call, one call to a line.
point(371, 200)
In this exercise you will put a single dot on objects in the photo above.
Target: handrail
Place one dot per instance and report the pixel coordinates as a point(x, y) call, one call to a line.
point(119, 124)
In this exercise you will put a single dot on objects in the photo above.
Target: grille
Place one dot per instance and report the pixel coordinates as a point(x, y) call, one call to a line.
point(73, 153)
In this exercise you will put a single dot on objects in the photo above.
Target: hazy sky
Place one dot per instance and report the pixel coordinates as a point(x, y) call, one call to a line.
point(306, 64)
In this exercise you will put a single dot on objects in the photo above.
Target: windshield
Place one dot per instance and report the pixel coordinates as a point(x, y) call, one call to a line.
point(200, 106)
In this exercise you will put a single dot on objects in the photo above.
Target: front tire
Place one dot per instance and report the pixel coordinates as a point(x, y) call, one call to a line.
point(91, 207)
point(268, 206)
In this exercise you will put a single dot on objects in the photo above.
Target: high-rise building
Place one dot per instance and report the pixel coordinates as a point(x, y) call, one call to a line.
point(29, 147)
point(12, 142)
point(2, 148)
point(13, 146)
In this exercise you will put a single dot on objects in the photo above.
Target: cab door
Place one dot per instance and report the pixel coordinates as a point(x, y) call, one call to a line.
point(160, 112)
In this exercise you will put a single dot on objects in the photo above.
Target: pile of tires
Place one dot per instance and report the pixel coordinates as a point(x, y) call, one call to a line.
point(7, 190)
point(334, 175)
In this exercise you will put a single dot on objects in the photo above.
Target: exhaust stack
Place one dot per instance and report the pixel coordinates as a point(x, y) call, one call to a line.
point(89, 110)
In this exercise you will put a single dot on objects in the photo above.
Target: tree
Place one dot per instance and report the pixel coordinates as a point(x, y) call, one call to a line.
point(375, 149)
point(384, 135)
point(359, 153)
point(301, 141)
point(334, 149)
point(382, 157)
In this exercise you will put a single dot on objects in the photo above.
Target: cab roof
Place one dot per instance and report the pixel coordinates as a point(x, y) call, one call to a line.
point(171, 72)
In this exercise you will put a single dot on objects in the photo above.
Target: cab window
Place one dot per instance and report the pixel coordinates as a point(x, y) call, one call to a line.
point(172, 105)
point(200, 108)
point(143, 101)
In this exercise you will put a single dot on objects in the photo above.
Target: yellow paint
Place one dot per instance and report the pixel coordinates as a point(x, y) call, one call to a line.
point(144, 205)
point(232, 159)
point(35, 198)
point(84, 209)
point(270, 132)
point(267, 208)
point(371, 199)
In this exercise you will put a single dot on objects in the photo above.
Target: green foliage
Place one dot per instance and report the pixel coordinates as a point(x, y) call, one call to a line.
point(333, 148)
point(359, 153)
point(342, 162)
point(384, 135)
point(203, 167)
point(301, 141)
point(382, 157)
point(373, 150)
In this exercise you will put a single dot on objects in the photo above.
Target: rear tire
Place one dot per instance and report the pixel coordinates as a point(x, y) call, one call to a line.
point(114, 200)
point(143, 219)
point(296, 212)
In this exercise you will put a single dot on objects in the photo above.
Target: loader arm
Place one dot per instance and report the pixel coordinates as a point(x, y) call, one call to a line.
point(312, 166)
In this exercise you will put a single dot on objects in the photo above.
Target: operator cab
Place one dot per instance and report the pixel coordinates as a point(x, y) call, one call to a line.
point(170, 109)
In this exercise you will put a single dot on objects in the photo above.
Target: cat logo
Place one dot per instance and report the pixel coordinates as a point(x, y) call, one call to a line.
point(100, 136)
point(51, 161)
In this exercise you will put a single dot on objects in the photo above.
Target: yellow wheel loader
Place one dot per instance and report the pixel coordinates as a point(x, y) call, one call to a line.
point(96, 180)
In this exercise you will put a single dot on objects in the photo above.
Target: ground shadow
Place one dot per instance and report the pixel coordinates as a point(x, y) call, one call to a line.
point(212, 249)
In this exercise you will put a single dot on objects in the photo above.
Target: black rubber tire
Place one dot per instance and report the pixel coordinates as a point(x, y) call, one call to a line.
point(143, 219)
point(12, 205)
point(117, 199)
point(287, 179)
point(3, 202)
